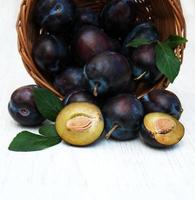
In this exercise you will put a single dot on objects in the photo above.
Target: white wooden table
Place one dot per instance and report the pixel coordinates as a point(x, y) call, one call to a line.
point(109, 170)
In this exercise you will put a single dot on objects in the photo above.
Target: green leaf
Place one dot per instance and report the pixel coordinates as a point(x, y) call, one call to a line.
point(166, 61)
point(138, 42)
point(27, 141)
point(48, 130)
point(47, 103)
point(174, 41)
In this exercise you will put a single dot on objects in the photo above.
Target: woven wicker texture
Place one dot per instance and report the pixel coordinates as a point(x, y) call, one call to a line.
point(167, 15)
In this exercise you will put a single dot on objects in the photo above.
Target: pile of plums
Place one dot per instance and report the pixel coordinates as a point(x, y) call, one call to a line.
point(83, 49)
point(85, 55)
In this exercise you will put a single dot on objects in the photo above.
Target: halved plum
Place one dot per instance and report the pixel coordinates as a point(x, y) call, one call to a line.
point(161, 130)
point(80, 124)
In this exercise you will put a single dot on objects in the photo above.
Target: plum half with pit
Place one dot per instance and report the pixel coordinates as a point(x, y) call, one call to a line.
point(118, 16)
point(161, 130)
point(51, 54)
point(79, 95)
point(71, 78)
point(22, 107)
point(90, 41)
point(107, 73)
point(159, 100)
point(123, 116)
point(54, 15)
point(80, 124)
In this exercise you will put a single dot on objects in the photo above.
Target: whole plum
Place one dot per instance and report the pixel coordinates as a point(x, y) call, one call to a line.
point(107, 73)
point(22, 107)
point(55, 15)
point(71, 78)
point(118, 16)
point(123, 116)
point(79, 95)
point(90, 41)
point(159, 100)
point(85, 16)
point(145, 30)
point(143, 58)
point(51, 54)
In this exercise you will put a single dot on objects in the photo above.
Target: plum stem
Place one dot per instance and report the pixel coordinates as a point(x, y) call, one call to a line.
point(108, 135)
point(95, 90)
point(140, 76)
point(181, 110)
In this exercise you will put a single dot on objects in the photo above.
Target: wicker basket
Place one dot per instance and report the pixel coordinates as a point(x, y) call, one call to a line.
point(167, 15)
